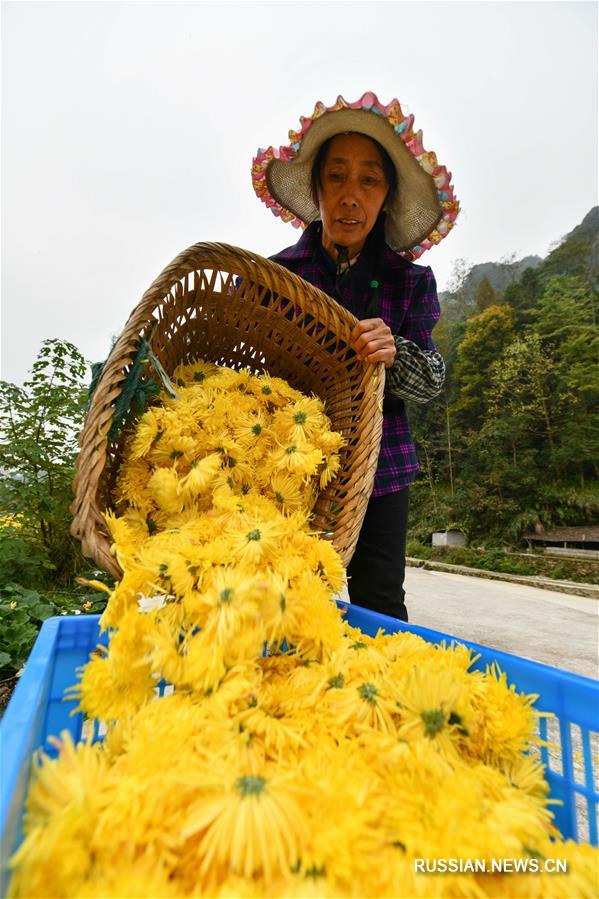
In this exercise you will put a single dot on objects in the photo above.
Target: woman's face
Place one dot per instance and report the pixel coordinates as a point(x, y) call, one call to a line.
point(351, 192)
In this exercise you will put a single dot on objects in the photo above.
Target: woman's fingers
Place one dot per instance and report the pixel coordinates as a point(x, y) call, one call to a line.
point(368, 324)
point(373, 345)
point(370, 329)
point(378, 351)
point(388, 360)
point(385, 355)
point(372, 341)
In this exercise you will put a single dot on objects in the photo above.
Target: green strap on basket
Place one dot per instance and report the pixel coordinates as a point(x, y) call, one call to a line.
point(137, 388)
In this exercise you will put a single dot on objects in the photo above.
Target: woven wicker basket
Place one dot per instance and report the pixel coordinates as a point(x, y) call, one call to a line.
point(270, 320)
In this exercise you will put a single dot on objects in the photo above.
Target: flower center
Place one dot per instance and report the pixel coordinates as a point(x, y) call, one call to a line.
point(250, 785)
point(316, 871)
point(368, 692)
point(434, 721)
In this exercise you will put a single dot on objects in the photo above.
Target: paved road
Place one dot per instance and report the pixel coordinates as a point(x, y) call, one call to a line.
point(543, 625)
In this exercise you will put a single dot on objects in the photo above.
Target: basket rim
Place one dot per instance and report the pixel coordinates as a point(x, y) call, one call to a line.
point(217, 258)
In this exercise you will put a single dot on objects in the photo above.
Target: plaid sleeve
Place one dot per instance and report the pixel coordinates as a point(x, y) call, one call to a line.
point(418, 373)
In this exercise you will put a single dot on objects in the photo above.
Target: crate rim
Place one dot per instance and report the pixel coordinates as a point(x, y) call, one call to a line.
point(30, 688)
point(33, 684)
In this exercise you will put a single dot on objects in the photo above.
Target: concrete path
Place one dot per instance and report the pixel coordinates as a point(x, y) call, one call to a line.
point(543, 625)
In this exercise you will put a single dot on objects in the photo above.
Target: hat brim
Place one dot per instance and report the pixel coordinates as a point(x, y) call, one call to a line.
point(415, 210)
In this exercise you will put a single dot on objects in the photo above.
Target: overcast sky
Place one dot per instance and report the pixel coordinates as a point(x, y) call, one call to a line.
point(128, 131)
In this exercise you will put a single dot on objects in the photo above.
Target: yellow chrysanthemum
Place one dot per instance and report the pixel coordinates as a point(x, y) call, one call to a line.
point(231, 597)
point(12, 520)
point(65, 799)
point(299, 459)
point(433, 705)
point(175, 448)
point(359, 701)
point(132, 484)
point(330, 442)
point(246, 825)
point(274, 392)
point(164, 489)
point(324, 561)
point(257, 542)
point(200, 476)
point(249, 427)
point(298, 422)
point(315, 627)
point(505, 720)
point(115, 683)
point(194, 373)
point(130, 879)
point(146, 432)
point(331, 466)
point(283, 774)
point(287, 492)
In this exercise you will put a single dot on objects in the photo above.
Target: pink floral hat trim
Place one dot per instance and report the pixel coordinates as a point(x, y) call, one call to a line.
point(403, 127)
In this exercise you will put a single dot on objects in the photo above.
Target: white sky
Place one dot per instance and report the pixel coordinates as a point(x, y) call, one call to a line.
point(128, 131)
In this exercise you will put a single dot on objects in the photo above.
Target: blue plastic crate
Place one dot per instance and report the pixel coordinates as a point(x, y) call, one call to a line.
point(38, 710)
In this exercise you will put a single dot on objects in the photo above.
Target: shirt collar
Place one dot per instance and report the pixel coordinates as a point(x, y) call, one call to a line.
point(309, 246)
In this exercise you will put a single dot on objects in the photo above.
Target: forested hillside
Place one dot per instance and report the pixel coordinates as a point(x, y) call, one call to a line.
point(514, 438)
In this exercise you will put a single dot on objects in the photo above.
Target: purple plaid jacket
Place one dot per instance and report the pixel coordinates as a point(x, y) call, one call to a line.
point(408, 303)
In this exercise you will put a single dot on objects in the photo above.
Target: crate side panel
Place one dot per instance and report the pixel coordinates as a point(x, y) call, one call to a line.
point(571, 698)
point(35, 711)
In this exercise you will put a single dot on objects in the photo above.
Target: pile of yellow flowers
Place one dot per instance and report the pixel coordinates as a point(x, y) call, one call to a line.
point(11, 520)
point(324, 768)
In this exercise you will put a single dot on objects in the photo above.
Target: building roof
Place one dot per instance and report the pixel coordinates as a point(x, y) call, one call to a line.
point(588, 534)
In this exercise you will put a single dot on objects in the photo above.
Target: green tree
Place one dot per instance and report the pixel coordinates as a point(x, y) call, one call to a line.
point(484, 341)
point(485, 296)
point(39, 424)
point(524, 432)
point(523, 296)
point(443, 337)
point(568, 309)
point(567, 321)
point(458, 301)
point(577, 255)
point(522, 398)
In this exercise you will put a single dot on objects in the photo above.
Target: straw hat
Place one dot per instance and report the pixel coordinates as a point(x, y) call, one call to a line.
point(424, 207)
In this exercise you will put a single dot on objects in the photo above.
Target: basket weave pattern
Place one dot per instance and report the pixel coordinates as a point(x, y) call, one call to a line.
point(270, 320)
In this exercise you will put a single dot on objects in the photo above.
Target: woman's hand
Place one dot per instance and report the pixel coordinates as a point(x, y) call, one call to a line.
point(372, 341)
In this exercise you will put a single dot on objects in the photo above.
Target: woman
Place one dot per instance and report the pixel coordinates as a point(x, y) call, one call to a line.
point(373, 200)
